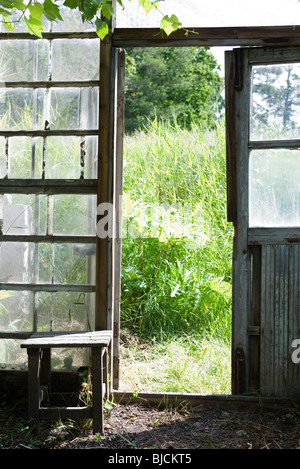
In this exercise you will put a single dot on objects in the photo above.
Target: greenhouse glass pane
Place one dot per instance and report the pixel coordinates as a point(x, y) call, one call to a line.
point(16, 262)
point(23, 60)
point(90, 146)
point(66, 263)
point(65, 311)
point(74, 108)
point(19, 214)
point(195, 13)
point(75, 59)
point(16, 310)
point(274, 188)
point(17, 111)
point(275, 102)
point(62, 159)
point(12, 356)
point(25, 157)
point(74, 215)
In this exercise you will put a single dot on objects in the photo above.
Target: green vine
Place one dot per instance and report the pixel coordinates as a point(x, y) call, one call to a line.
point(99, 12)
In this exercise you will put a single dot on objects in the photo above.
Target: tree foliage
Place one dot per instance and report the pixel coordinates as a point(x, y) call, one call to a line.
point(168, 83)
point(32, 12)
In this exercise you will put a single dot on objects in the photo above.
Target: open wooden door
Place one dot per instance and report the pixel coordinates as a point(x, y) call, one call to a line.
point(110, 175)
point(263, 170)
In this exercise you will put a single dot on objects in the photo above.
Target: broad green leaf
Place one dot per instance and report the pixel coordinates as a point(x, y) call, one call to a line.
point(6, 4)
point(147, 5)
point(170, 24)
point(90, 8)
point(19, 5)
point(101, 28)
point(36, 11)
point(34, 26)
point(51, 11)
point(107, 9)
point(72, 4)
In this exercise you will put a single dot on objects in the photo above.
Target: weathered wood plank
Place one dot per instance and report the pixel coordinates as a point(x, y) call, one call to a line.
point(118, 214)
point(241, 264)
point(48, 239)
point(209, 36)
point(68, 339)
point(288, 235)
point(66, 412)
point(48, 186)
point(105, 154)
point(47, 133)
point(50, 35)
point(97, 387)
point(274, 144)
point(230, 137)
point(47, 287)
point(280, 324)
point(253, 329)
point(52, 84)
point(227, 36)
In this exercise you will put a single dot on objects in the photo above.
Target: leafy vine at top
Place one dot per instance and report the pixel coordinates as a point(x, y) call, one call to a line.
point(95, 11)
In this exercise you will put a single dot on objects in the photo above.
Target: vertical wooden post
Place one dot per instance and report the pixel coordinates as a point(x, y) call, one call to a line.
point(118, 198)
point(106, 150)
point(34, 383)
point(237, 77)
point(97, 380)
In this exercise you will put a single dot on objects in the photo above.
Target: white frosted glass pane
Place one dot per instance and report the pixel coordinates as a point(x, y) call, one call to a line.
point(64, 311)
point(66, 263)
point(275, 102)
point(19, 157)
point(74, 108)
point(75, 59)
point(274, 188)
point(65, 108)
point(25, 157)
point(3, 163)
point(12, 356)
point(17, 111)
point(91, 157)
point(19, 214)
point(23, 60)
point(16, 262)
point(213, 13)
point(74, 264)
point(62, 158)
point(74, 214)
point(16, 310)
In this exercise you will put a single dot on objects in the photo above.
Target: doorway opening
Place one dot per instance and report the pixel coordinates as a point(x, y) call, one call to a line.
point(176, 243)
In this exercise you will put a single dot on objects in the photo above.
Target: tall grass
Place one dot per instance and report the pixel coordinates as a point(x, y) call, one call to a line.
point(176, 274)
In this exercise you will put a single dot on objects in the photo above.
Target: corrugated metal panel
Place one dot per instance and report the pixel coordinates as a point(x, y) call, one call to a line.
point(280, 320)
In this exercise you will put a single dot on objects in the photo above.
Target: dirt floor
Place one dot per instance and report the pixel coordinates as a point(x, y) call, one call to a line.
point(134, 427)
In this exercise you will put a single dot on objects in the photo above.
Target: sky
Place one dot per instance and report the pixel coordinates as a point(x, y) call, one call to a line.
point(215, 13)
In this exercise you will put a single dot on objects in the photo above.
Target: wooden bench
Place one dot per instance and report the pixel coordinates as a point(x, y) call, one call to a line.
point(39, 346)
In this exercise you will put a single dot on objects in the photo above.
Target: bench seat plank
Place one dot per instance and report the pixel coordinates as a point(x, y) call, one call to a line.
point(68, 339)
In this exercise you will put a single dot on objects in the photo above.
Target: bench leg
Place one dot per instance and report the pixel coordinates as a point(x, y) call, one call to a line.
point(34, 356)
point(97, 389)
point(45, 373)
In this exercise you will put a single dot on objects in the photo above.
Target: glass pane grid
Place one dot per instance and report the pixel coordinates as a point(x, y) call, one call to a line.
point(49, 103)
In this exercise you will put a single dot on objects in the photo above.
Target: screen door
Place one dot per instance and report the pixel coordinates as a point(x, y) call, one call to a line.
point(263, 170)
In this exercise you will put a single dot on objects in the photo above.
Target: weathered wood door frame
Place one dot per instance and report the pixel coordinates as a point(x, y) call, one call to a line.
point(108, 296)
point(110, 163)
